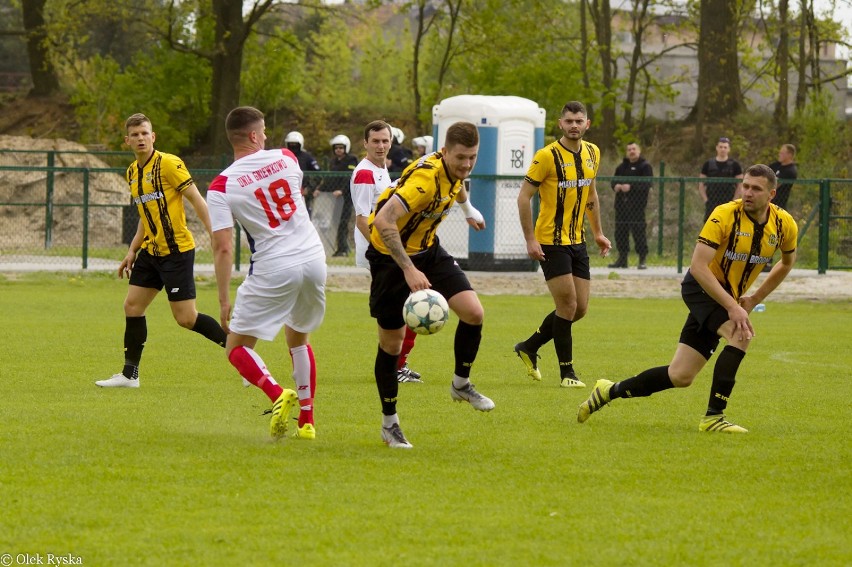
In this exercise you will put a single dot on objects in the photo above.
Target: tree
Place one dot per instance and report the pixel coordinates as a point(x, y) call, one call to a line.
point(719, 95)
point(45, 79)
point(782, 65)
point(601, 15)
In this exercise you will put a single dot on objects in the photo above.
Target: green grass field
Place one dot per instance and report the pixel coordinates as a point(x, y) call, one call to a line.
point(180, 472)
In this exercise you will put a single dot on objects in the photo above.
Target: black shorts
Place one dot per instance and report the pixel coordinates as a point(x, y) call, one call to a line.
point(700, 331)
point(389, 290)
point(560, 260)
point(174, 272)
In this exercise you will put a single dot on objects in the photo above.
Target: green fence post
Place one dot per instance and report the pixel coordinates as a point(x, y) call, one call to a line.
point(660, 221)
point(86, 218)
point(48, 202)
point(680, 220)
point(824, 215)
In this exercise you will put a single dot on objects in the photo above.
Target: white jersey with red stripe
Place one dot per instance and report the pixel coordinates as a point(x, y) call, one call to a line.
point(262, 192)
point(367, 183)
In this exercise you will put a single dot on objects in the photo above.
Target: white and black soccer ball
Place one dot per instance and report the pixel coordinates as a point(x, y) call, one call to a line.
point(425, 311)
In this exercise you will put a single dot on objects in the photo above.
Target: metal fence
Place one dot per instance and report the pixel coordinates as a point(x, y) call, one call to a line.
point(52, 213)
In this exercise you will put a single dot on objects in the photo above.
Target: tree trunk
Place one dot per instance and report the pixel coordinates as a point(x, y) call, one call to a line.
point(719, 95)
point(802, 65)
point(227, 63)
point(602, 17)
point(45, 80)
point(782, 60)
point(638, 16)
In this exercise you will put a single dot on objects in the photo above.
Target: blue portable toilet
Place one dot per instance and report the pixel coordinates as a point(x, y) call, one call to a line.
point(511, 129)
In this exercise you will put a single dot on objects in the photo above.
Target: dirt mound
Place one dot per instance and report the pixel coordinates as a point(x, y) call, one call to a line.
point(30, 194)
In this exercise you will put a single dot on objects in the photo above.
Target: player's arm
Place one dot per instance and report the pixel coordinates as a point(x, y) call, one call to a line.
point(126, 265)
point(594, 213)
point(525, 196)
point(700, 270)
point(738, 191)
point(385, 223)
point(773, 279)
point(223, 259)
point(362, 188)
point(471, 214)
point(193, 195)
point(702, 188)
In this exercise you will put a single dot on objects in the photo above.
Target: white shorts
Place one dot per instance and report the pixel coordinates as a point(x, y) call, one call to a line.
point(294, 297)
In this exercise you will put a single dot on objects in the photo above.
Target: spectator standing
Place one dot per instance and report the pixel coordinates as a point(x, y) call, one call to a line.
point(630, 202)
point(295, 142)
point(785, 169)
point(422, 146)
point(162, 253)
point(399, 155)
point(722, 166)
point(341, 161)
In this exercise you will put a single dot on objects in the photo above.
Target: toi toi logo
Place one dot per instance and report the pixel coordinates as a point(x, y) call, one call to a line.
point(517, 159)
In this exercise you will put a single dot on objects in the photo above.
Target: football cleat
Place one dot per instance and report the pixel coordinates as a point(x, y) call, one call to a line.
point(307, 431)
point(281, 413)
point(406, 374)
point(718, 424)
point(530, 360)
point(118, 381)
point(394, 438)
point(470, 395)
point(569, 382)
point(598, 399)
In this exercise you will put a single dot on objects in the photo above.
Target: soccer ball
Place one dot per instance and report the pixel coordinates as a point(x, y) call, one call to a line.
point(425, 311)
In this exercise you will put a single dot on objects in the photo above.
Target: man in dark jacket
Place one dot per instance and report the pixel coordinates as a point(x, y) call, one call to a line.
point(630, 202)
point(295, 142)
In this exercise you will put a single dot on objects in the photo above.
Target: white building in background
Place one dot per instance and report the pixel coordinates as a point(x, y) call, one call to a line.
point(678, 69)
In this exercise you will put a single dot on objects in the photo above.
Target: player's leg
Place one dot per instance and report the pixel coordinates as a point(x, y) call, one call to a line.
point(570, 291)
point(305, 304)
point(177, 272)
point(145, 284)
point(448, 279)
point(403, 372)
point(388, 292)
point(724, 378)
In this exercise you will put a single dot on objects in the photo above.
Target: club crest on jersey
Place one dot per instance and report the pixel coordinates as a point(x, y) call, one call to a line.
point(773, 240)
point(590, 163)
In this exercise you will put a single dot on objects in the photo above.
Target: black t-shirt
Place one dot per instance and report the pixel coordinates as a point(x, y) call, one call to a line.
point(782, 172)
point(720, 192)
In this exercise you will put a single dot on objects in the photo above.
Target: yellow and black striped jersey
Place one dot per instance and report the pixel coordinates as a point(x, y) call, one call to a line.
point(742, 246)
point(157, 190)
point(564, 181)
point(427, 192)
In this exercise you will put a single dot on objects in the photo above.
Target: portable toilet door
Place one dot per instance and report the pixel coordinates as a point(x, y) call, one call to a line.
point(511, 129)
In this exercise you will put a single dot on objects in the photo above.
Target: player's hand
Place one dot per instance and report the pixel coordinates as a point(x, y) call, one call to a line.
point(337, 193)
point(604, 244)
point(534, 250)
point(476, 224)
point(743, 331)
point(225, 316)
point(416, 279)
point(126, 266)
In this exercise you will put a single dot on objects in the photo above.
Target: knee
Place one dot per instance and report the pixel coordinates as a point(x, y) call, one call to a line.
point(473, 316)
point(680, 379)
point(580, 312)
point(187, 321)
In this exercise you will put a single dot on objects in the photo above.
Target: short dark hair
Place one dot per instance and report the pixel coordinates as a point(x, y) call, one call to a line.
point(574, 106)
point(464, 133)
point(239, 121)
point(375, 126)
point(724, 140)
point(760, 170)
point(136, 120)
